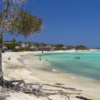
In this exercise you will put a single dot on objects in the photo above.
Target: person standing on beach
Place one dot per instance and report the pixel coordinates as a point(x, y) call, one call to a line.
point(40, 58)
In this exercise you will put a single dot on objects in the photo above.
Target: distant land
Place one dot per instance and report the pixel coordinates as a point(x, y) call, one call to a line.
point(35, 46)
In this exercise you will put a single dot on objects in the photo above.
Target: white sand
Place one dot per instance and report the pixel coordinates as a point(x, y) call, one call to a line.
point(15, 69)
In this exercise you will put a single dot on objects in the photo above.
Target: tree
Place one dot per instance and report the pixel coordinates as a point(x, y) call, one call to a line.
point(80, 47)
point(19, 22)
point(16, 21)
point(14, 40)
point(59, 46)
point(11, 45)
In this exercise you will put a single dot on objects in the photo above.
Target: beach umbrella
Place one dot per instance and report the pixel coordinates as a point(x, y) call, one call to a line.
point(17, 47)
point(48, 46)
point(64, 47)
point(32, 47)
point(4, 47)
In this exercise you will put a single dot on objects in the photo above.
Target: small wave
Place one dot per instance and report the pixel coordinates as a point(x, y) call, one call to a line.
point(73, 77)
point(54, 70)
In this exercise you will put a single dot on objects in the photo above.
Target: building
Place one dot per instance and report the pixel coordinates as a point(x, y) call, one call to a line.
point(64, 47)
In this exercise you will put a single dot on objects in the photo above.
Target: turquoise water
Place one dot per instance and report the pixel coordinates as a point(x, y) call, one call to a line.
point(87, 66)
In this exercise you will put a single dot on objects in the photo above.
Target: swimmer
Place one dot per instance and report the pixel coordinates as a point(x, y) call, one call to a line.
point(40, 58)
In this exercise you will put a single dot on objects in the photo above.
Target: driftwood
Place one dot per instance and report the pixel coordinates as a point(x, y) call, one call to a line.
point(83, 98)
point(38, 88)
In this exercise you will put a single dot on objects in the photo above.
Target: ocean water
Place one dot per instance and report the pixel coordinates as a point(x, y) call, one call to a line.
point(88, 66)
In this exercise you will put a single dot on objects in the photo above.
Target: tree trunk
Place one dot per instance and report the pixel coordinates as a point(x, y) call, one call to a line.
point(1, 72)
point(1, 45)
point(1, 42)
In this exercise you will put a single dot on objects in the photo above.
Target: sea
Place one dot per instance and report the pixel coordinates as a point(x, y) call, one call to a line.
point(84, 64)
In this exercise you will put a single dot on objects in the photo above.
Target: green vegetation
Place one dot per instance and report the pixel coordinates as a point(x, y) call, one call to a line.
point(43, 44)
point(81, 47)
point(11, 46)
point(25, 24)
point(59, 46)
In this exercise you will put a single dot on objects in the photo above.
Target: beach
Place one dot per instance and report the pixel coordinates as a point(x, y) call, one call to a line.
point(17, 68)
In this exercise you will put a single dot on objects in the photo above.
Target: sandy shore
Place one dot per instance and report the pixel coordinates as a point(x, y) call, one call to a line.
point(17, 68)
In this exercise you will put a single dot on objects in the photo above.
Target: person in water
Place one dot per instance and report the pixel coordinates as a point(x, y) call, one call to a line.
point(40, 58)
point(77, 57)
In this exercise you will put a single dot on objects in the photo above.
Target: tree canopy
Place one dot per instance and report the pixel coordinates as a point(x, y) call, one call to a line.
point(26, 24)
point(81, 47)
point(58, 46)
point(17, 21)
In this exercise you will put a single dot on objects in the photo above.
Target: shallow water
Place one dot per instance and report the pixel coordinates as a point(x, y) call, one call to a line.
point(88, 66)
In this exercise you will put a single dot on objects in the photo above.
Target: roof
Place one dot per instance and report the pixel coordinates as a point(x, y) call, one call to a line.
point(17, 47)
point(4, 47)
point(48, 46)
point(32, 47)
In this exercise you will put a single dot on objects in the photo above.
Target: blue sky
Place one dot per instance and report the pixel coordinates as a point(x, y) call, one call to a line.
point(68, 22)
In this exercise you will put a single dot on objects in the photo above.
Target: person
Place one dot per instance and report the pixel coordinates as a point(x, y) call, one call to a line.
point(2, 51)
point(77, 57)
point(40, 58)
point(9, 58)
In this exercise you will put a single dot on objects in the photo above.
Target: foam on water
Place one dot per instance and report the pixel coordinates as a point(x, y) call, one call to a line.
point(54, 70)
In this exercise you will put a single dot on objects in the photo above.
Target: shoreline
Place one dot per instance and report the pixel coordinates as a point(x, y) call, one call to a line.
point(50, 76)
point(88, 85)
point(73, 76)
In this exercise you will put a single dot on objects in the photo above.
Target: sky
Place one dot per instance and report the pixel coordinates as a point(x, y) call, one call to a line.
point(67, 22)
